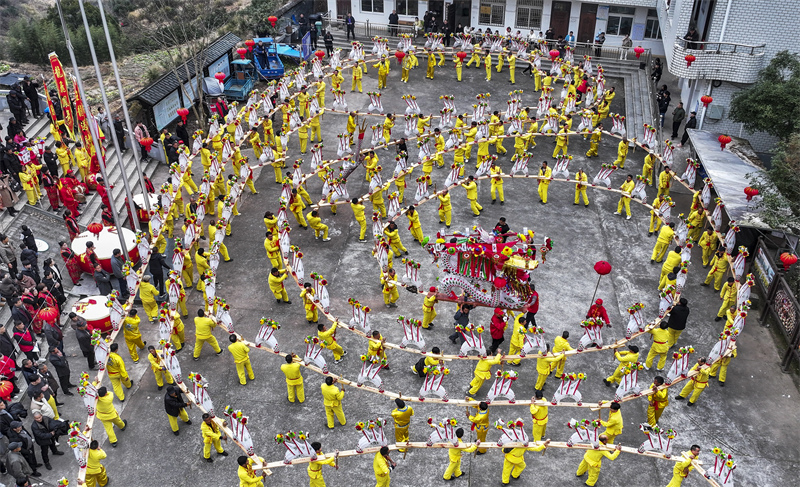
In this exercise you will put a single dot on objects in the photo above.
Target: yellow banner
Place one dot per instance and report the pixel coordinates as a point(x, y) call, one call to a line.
point(63, 93)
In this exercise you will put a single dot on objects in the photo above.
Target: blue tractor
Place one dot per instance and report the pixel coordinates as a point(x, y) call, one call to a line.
point(268, 64)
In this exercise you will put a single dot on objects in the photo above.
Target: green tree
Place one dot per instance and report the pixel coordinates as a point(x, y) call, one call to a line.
point(772, 104)
point(255, 16)
point(779, 187)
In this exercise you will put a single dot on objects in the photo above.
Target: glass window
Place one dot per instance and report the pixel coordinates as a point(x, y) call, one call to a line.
point(620, 21)
point(622, 10)
point(407, 7)
point(529, 14)
point(652, 30)
point(492, 12)
point(372, 6)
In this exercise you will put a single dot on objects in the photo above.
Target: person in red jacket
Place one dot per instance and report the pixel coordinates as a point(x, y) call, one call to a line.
point(497, 327)
point(598, 311)
point(67, 197)
point(533, 308)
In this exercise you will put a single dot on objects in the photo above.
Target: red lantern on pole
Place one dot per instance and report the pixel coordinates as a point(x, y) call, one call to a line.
point(689, 60)
point(554, 54)
point(146, 142)
point(95, 227)
point(319, 54)
point(750, 192)
point(788, 260)
point(183, 113)
point(461, 55)
point(399, 55)
point(602, 268)
point(706, 100)
point(723, 141)
point(49, 314)
point(250, 43)
point(272, 20)
point(241, 52)
point(639, 50)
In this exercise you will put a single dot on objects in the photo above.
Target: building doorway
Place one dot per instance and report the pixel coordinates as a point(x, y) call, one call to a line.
point(342, 8)
point(587, 22)
point(559, 18)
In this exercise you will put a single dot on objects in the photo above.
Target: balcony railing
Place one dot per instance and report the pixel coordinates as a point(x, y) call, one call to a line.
point(726, 61)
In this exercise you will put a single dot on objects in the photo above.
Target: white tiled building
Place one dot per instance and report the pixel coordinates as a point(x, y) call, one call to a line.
point(638, 18)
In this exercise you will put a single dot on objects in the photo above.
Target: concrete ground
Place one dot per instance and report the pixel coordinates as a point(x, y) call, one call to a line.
point(754, 417)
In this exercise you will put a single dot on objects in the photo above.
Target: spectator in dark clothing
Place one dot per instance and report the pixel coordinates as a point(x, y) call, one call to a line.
point(19, 435)
point(84, 339)
point(46, 432)
point(30, 89)
point(103, 280)
point(657, 71)
point(303, 22)
point(663, 100)
point(157, 264)
point(57, 104)
point(677, 119)
point(51, 161)
point(119, 131)
point(10, 163)
point(432, 26)
point(692, 37)
point(54, 287)
point(501, 228)
point(21, 314)
point(54, 335)
point(116, 267)
point(49, 379)
point(183, 135)
point(61, 366)
point(29, 239)
point(690, 124)
point(314, 38)
point(16, 105)
point(6, 344)
point(394, 20)
point(175, 405)
point(350, 23)
point(29, 371)
point(677, 320)
point(328, 37)
point(461, 318)
point(260, 54)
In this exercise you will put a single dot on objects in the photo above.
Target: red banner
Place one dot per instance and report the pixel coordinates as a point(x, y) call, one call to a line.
point(63, 93)
point(83, 127)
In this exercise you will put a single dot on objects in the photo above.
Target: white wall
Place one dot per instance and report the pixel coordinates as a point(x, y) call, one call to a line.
point(380, 18)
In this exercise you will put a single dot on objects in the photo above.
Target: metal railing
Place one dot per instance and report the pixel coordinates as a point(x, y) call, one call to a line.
point(369, 29)
point(720, 47)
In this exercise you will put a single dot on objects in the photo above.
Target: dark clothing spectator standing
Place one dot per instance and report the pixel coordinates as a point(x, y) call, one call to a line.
point(182, 133)
point(664, 100)
point(599, 40)
point(657, 71)
point(157, 264)
point(141, 132)
point(394, 20)
point(7, 345)
point(461, 318)
point(690, 124)
point(677, 119)
point(16, 464)
point(21, 314)
point(51, 160)
point(677, 321)
point(328, 42)
point(260, 53)
point(8, 254)
point(46, 432)
point(447, 34)
point(116, 267)
point(54, 335)
point(61, 365)
point(29, 239)
point(16, 105)
point(84, 339)
point(103, 280)
point(692, 37)
point(549, 35)
point(303, 23)
point(350, 24)
point(432, 26)
point(497, 329)
point(119, 130)
point(17, 435)
point(30, 89)
point(314, 38)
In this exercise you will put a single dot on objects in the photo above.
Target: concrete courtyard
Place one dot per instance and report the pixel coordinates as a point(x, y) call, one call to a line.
point(754, 416)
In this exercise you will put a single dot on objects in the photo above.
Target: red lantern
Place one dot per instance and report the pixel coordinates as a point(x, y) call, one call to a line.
point(146, 142)
point(6, 389)
point(399, 55)
point(95, 227)
point(461, 55)
point(723, 141)
point(183, 113)
point(689, 59)
point(788, 260)
point(250, 43)
point(554, 54)
point(638, 50)
point(602, 267)
point(706, 100)
point(49, 314)
point(272, 19)
point(241, 52)
point(750, 192)
point(320, 55)
point(220, 77)
point(499, 282)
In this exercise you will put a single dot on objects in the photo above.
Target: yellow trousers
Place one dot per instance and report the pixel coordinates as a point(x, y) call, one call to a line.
point(151, 309)
point(173, 421)
point(616, 376)
point(655, 223)
point(511, 72)
point(594, 472)
point(480, 433)
point(560, 366)
point(32, 199)
point(400, 435)
point(652, 354)
point(281, 295)
point(717, 277)
point(514, 350)
point(560, 147)
point(691, 388)
point(446, 217)
point(498, 187)
point(198, 345)
point(100, 478)
point(659, 251)
point(476, 208)
point(296, 391)
point(539, 431)
point(207, 447)
point(397, 247)
point(322, 230)
point(725, 305)
point(363, 224)
point(653, 415)
point(160, 376)
point(240, 370)
point(540, 380)
point(416, 232)
point(458, 72)
point(512, 470)
point(223, 251)
point(429, 72)
point(673, 336)
point(592, 152)
point(708, 254)
point(116, 383)
point(722, 368)
point(108, 425)
point(391, 297)
point(303, 145)
point(133, 344)
point(476, 384)
point(428, 317)
point(677, 480)
point(337, 410)
point(488, 73)
point(312, 313)
point(178, 338)
point(543, 186)
point(453, 470)
point(337, 350)
point(276, 260)
point(356, 84)
point(382, 480)
point(624, 203)
point(579, 193)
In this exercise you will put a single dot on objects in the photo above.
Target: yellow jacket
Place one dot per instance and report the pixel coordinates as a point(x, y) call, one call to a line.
point(444, 202)
point(484, 367)
point(155, 363)
point(357, 74)
point(271, 246)
point(708, 241)
point(685, 463)
point(614, 424)
point(148, 292)
point(664, 179)
point(719, 264)
point(314, 468)
point(429, 302)
point(314, 222)
point(673, 260)
point(539, 414)
point(543, 364)
point(622, 149)
point(659, 399)
point(327, 335)
point(247, 477)
point(93, 465)
point(546, 174)
point(204, 327)
point(580, 180)
point(728, 291)
point(518, 330)
point(480, 418)
point(331, 395)
point(307, 295)
point(701, 379)
point(201, 263)
point(392, 235)
point(82, 157)
point(413, 219)
point(271, 223)
point(115, 365)
point(696, 219)
point(626, 356)
point(595, 457)
point(472, 190)
point(210, 432)
point(456, 452)
point(517, 455)
point(402, 416)
point(105, 407)
point(665, 234)
point(627, 187)
point(660, 340)
point(240, 352)
point(561, 345)
point(276, 283)
point(131, 327)
point(292, 373)
point(380, 466)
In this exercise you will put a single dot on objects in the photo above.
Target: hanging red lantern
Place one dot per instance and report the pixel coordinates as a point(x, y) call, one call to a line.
point(750, 192)
point(639, 50)
point(146, 142)
point(220, 77)
point(723, 141)
point(788, 260)
point(95, 227)
point(183, 113)
point(602, 267)
point(49, 314)
point(554, 54)
point(272, 20)
point(250, 43)
point(706, 100)
point(461, 55)
point(320, 54)
point(399, 55)
point(241, 52)
point(689, 60)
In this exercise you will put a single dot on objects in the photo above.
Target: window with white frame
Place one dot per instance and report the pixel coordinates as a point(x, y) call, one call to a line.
point(620, 21)
point(407, 7)
point(529, 14)
point(372, 6)
point(492, 12)
point(652, 29)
